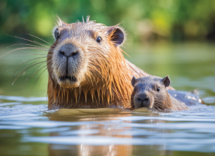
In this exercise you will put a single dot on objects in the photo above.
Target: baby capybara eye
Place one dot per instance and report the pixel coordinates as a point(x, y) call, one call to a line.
point(57, 34)
point(158, 89)
point(98, 39)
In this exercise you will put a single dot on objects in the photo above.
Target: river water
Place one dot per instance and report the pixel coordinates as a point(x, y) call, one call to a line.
point(27, 128)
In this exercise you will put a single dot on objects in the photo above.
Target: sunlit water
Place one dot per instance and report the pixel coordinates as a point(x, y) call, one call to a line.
point(28, 128)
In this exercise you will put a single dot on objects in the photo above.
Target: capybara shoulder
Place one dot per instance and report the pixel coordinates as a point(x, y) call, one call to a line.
point(189, 98)
point(151, 92)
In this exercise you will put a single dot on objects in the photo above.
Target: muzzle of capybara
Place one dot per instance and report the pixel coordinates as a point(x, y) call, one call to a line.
point(143, 99)
point(67, 63)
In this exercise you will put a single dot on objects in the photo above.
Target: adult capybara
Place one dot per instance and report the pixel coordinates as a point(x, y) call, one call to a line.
point(87, 68)
point(151, 92)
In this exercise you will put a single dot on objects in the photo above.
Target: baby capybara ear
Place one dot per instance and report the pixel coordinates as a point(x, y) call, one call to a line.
point(166, 81)
point(133, 81)
point(117, 35)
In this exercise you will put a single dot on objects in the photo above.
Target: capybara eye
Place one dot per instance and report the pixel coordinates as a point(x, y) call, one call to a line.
point(98, 39)
point(57, 34)
point(158, 89)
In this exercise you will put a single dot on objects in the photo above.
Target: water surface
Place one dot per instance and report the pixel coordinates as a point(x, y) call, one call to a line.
point(28, 128)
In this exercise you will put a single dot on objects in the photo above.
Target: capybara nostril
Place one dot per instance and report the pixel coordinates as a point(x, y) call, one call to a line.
point(143, 100)
point(68, 54)
point(73, 78)
point(139, 99)
point(146, 99)
point(143, 97)
point(62, 52)
point(74, 53)
point(68, 50)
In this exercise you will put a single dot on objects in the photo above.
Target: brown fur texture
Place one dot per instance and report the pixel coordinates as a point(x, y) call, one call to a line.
point(151, 92)
point(101, 72)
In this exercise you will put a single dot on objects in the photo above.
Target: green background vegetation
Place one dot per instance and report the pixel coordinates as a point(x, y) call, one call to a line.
point(144, 20)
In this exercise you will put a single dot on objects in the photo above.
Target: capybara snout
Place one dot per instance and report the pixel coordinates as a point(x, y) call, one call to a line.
point(68, 50)
point(68, 59)
point(150, 91)
point(143, 99)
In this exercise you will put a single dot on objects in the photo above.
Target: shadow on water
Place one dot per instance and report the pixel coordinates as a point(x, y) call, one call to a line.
point(28, 128)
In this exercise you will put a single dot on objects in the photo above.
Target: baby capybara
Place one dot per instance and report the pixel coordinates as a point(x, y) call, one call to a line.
point(151, 92)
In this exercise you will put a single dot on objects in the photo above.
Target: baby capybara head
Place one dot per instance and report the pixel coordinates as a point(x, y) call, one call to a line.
point(82, 52)
point(150, 92)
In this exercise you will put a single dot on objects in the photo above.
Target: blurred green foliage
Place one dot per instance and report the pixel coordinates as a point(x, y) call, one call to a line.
point(144, 20)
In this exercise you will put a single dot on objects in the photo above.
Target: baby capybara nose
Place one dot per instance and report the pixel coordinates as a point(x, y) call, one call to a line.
point(68, 50)
point(142, 97)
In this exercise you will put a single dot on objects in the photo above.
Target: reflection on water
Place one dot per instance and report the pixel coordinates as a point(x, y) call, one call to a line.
point(87, 132)
point(27, 128)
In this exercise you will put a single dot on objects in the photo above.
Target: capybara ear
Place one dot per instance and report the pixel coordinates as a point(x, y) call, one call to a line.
point(133, 81)
point(166, 81)
point(117, 35)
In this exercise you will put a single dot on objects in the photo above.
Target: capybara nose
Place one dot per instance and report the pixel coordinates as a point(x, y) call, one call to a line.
point(68, 54)
point(143, 98)
point(68, 50)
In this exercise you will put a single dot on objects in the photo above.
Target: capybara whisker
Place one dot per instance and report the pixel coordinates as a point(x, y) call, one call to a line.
point(21, 44)
point(36, 54)
point(35, 72)
point(26, 62)
point(26, 70)
point(22, 48)
point(38, 38)
point(38, 78)
point(37, 43)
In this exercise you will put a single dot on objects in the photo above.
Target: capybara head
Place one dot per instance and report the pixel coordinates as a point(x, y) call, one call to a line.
point(150, 92)
point(82, 51)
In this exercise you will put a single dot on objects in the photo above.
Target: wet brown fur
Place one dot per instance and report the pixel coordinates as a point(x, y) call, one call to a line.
point(106, 80)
